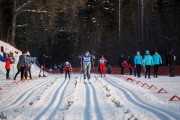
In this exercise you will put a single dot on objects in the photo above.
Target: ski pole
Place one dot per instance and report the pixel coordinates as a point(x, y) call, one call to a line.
point(13, 70)
point(81, 66)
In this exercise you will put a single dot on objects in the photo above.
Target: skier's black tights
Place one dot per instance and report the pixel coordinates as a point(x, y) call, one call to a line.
point(67, 72)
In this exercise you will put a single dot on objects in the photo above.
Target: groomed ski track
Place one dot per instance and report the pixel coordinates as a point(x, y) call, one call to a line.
point(53, 98)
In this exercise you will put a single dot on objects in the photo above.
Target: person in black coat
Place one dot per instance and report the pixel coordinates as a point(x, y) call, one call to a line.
point(121, 60)
point(130, 63)
point(109, 68)
point(172, 62)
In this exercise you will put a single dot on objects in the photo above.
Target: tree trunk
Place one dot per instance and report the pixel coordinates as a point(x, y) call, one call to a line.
point(13, 27)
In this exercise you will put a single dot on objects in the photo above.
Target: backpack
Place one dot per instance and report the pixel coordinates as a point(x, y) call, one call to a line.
point(124, 63)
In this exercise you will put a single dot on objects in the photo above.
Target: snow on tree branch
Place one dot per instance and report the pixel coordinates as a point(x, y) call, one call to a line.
point(20, 26)
point(36, 11)
point(23, 6)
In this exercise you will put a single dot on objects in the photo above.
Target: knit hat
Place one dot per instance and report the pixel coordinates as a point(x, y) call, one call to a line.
point(147, 52)
point(28, 53)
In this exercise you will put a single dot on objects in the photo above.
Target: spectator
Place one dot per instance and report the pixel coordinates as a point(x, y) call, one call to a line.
point(42, 70)
point(148, 62)
point(22, 63)
point(3, 57)
point(42, 65)
point(138, 63)
point(8, 66)
point(55, 69)
point(109, 68)
point(130, 62)
point(120, 62)
point(61, 68)
point(28, 67)
point(19, 70)
point(9, 60)
point(157, 61)
point(172, 63)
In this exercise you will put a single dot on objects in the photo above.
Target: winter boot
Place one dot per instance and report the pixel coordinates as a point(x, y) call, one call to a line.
point(84, 81)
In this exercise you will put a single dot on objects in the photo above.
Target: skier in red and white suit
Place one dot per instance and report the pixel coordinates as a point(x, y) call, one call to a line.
point(67, 68)
point(102, 62)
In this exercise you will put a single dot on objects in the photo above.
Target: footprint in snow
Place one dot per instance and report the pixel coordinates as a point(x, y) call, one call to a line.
point(108, 95)
point(2, 116)
point(31, 103)
point(38, 98)
point(126, 111)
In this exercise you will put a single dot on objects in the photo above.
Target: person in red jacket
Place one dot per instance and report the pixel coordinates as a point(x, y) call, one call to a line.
point(67, 68)
point(9, 60)
point(8, 66)
point(102, 61)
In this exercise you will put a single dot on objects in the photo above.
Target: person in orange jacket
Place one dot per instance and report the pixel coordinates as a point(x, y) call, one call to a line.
point(8, 66)
point(9, 60)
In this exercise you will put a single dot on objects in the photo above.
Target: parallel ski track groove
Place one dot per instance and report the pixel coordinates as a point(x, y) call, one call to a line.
point(59, 103)
point(51, 102)
point(97, 109)
point(27, 94)
point(136, 101)
point(87, 103)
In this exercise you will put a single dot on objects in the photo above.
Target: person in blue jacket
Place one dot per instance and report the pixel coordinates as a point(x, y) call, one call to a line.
point(3, 57)
point(87, 59)
point(22, 63)
point(157, 61)
point(138, 63)
point(148, 62)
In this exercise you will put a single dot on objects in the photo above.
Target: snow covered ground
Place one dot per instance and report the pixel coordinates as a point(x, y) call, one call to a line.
point(110, 98)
